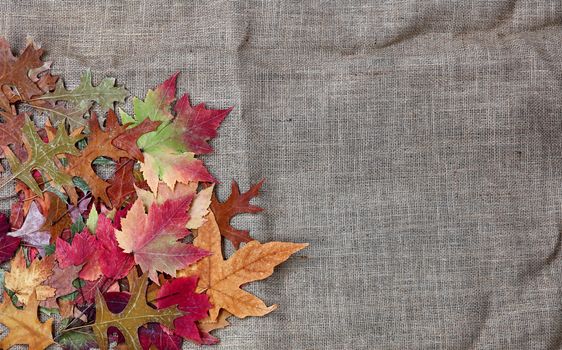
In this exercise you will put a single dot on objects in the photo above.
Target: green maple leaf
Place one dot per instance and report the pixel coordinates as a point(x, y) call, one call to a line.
point(157, 107)
point(167, 137)
point(171, 167)
point(136, 313)
point(41, 157)
point(166, 155)
point(81, 99)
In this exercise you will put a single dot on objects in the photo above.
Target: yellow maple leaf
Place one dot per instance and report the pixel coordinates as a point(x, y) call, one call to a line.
point(172, 167)
point(221, 279)
point(165, 193)
point(200, 208)
point(23, 281)
point(24, 326)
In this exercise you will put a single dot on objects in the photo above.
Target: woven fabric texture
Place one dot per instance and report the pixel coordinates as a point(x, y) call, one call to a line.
point(416, 145)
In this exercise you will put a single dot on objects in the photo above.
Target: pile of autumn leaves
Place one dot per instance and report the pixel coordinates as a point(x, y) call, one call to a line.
point(134, 259)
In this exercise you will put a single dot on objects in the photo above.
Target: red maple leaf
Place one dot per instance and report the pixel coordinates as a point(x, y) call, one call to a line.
point(200, 124)
point(82, 247)
point(99, 253)
point(181, 292)
point(153, 238)
point(8, 244)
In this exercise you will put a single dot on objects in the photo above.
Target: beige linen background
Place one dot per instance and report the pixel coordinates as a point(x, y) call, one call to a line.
point(416, 145)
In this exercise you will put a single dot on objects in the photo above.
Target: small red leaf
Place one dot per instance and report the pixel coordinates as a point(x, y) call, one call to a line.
point(100, 253)
point(8, 244)
point(200, 124)
point(76, 253)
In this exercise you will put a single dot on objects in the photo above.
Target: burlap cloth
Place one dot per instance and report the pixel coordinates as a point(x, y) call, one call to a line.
point(416, 145)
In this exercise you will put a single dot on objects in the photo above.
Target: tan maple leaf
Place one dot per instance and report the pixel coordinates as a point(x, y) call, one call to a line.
point(24, 281)
point(208, 325)
point(24, 326)
point(221, 279)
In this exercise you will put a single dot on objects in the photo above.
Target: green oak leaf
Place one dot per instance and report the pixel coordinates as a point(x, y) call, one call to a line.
point(41, 157)
point(81, 98)
point(136, 314)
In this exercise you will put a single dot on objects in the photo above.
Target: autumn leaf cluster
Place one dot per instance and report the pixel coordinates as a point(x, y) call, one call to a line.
point(115, 226)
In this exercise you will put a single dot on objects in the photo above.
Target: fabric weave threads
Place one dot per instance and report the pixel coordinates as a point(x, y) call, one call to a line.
point(415, 145)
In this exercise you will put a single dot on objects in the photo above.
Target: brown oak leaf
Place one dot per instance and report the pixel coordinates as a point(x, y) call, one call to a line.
point(11, 134)
point(100, 144)
point(235, 204)
point(15, 83)
point(122, 184)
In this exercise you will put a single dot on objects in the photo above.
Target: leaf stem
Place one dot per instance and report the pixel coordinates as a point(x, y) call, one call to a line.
point(101, 289)
point(69, 210)
point(66, 330)
point(54, 111)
